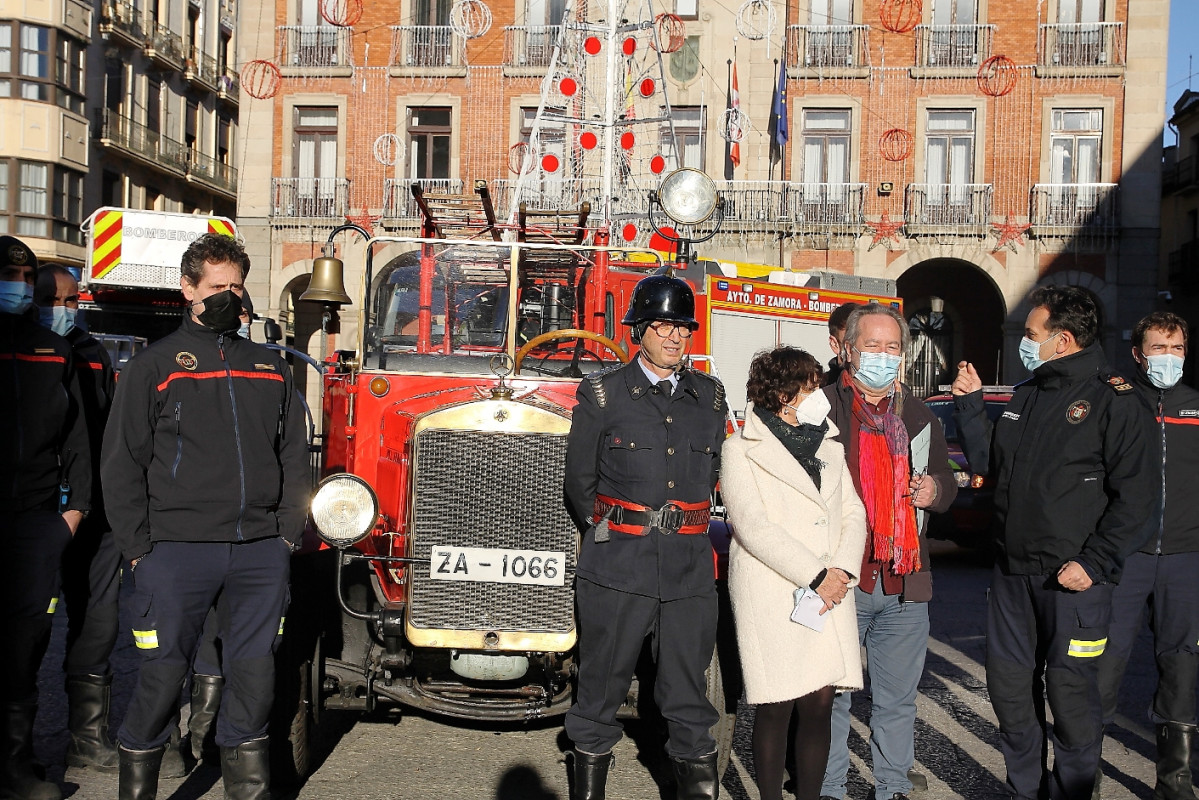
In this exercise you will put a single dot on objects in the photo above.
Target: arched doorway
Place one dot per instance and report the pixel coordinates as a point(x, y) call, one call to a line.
point(955, 313)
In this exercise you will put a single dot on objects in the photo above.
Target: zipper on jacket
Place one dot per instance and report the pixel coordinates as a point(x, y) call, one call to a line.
point(19, 427)
point(241, 464)
point(178, 439)
point(1161, 523)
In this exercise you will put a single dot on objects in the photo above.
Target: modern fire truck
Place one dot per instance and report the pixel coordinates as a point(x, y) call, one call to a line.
point(445, 577)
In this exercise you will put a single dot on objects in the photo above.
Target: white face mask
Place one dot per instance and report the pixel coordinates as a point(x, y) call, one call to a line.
point(812, 409)
point(1163, 371)
point(244, 331)
point(15, 297)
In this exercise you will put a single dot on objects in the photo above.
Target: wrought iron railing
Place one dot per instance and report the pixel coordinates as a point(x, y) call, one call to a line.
point(165, 44)
point(425, 46)
point(314, 46)
point(1081, 44)
point(138, 140)
point(398, 202)
point(816, 207)
point(1180, 175)
point(123, 18)
point(310, 198)
point(962, 208)
point(529, 45)
point(953, 45)
point(827, 46)
point(203, 67)
point(1070, 208)
point(213, 172)
point(229, 85)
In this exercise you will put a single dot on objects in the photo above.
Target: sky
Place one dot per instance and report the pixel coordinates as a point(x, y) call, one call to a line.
point(1184, 43)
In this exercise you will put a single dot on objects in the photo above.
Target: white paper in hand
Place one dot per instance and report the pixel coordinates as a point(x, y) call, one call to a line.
point(808, 605)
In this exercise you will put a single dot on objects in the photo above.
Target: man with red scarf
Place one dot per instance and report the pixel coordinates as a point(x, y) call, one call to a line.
point(878, 418)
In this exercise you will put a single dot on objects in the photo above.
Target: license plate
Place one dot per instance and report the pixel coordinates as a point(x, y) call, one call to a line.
point(498, 565)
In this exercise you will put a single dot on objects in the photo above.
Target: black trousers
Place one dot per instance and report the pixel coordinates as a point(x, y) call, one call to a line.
point(33, 546)
point(175, 587)
point(91, 586)
point(1168, 586)
point(612, 627)
point(1034, 625)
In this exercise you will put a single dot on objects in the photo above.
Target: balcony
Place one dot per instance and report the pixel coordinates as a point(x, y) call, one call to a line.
point(827, 50)
point(315, 48)
point(1081, 48)
point(528, 49)
point(1074, 209)
point(417, 49)
point(124, 21)
point(955, 208)
point(310, 198)
point(826, 207)
point(1183, 266)
point(229, 87)
point(136, 140)
point(201, 70)
point(165, 47)
point(215, 174)
point(553, 194)
point(399, 204)
point(952, 49)
point(1180, 176)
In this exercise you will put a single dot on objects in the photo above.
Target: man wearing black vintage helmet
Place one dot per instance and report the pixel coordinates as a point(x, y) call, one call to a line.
point(45, 492)
point(642, 461)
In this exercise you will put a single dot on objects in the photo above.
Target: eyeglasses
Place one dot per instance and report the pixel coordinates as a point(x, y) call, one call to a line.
point(668, 329)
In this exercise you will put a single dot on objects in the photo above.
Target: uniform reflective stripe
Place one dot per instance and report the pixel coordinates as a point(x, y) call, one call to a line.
point(146, 640)
point(281, 621)
point(235, 373)
point(1082, 648)
point(53, 605)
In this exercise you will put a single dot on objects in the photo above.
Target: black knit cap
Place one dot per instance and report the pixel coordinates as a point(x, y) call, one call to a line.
point(15, 253)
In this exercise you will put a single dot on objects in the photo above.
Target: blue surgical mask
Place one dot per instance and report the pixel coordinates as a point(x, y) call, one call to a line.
point(877, 370)
point(244, 331)
point(59, 319)
point(1163, 371)
point(1030, 352)
point(15, 297)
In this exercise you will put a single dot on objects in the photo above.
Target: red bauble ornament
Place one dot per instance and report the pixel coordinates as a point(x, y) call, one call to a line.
point(672, 33)
point(626, 140)
point(900, 16)
point(516, 158)
point(591, 45)
point(629, 232)
point(549, 162)
point(629, 46)
point(260, 79)
point(997, 76)
point(342, 13)
point(587, 140)
point(657, 164)
point(568, 86)
point(896, 144)
point(647, 87)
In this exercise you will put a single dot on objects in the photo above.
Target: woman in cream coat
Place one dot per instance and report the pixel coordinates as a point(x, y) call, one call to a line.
point(797, 522)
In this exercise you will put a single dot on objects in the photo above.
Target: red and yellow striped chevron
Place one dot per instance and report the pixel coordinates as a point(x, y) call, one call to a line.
point(106, 242)
point(220, 226)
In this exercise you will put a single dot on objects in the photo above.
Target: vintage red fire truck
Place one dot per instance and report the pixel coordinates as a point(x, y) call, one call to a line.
point(446, 539)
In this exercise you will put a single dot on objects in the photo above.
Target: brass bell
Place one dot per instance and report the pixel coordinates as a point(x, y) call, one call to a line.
point(327, 284)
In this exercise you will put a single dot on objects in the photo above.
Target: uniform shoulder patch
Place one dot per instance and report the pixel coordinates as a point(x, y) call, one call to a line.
point(1118, 384)
point(596, 379)
point(718, 387)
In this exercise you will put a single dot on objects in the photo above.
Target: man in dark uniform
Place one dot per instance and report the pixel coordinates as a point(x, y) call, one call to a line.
point(91, 564)
point(836, 341)
point(1072, 461)
point(641, 465)
point(206, 483)
point(45, 492)
point(1161, 576)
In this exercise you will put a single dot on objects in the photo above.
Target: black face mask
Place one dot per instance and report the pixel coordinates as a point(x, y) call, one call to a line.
point(222, 312)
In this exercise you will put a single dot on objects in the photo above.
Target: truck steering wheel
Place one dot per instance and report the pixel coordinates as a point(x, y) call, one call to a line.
point(570, 333)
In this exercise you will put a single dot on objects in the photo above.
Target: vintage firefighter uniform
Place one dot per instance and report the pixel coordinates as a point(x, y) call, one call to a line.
point(206, 482)
point(1071, 461)
point(641, 465)
point(1164, 576)
point(45, 470)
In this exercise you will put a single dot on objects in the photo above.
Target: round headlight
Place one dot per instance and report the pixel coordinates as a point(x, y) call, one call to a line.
point(688, 196)
point(344, 509)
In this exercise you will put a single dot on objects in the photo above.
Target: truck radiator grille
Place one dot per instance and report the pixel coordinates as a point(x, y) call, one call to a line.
point(476, 489)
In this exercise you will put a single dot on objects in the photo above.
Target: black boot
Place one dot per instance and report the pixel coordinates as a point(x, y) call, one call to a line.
point(87, 702)
point(176, 759)
point(139, 773)
point(697, 778)
point(206, 701)
point(1174, 762)
point(246, 770)
point(590, 775)
point(17, 778)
